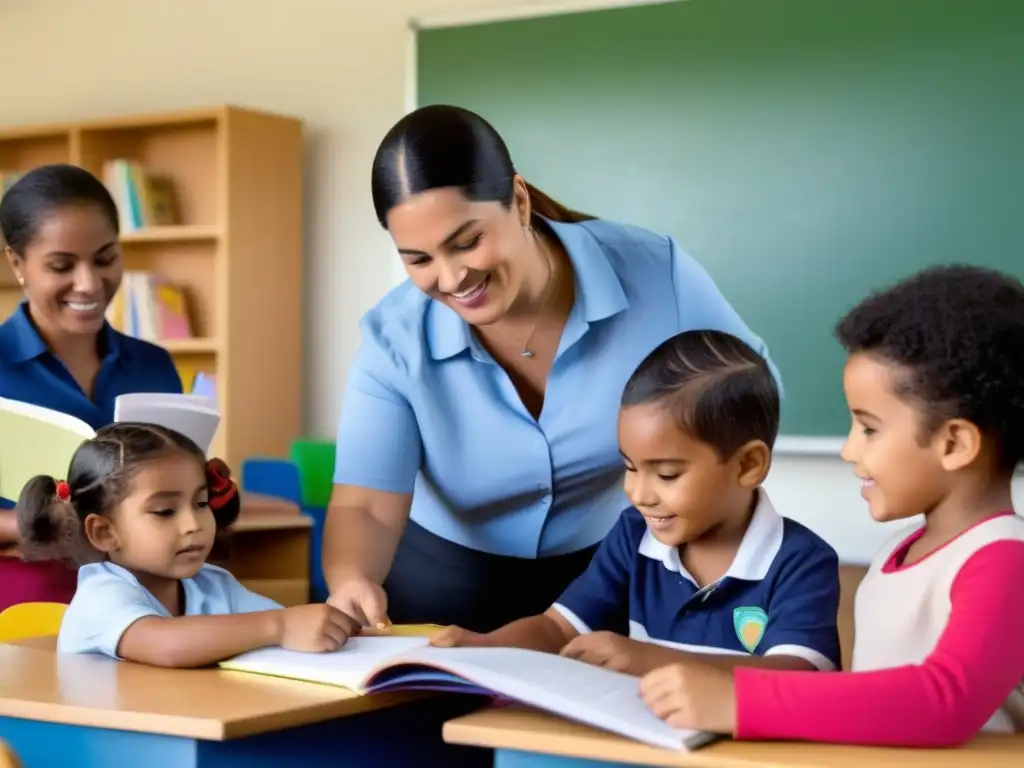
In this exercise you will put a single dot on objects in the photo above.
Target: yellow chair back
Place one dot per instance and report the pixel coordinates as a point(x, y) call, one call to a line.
point(30, 620)
point(8, 759)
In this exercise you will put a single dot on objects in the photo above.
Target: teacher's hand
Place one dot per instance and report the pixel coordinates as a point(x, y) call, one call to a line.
point(363, 600)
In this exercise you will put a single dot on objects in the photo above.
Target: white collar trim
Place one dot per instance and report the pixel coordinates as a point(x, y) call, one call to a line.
point(761, 543)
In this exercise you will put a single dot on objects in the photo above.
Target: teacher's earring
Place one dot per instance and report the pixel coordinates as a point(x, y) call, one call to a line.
point(21, 281)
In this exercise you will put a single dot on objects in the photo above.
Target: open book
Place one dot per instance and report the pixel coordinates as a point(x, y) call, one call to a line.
point(41, 441)
point(566, 687)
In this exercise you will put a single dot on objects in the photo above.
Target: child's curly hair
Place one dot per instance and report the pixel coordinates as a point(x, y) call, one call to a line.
point(50, 513)
point(957, 333)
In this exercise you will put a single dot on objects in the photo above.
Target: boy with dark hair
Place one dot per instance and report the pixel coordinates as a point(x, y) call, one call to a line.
point(701, 566)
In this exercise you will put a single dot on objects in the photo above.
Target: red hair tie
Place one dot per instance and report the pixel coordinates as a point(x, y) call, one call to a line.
point(63, 491)
point(221, 487)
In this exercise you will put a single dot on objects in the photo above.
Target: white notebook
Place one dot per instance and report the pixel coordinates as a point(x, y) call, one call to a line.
point(566, 687)
point(194, 416)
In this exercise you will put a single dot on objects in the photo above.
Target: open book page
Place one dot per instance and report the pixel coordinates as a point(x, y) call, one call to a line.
point(347, 667)
point(192, 415)
point(566, 687)
point(573, 689)
point(35, 441)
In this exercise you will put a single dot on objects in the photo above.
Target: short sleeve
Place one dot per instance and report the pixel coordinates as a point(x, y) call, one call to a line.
point(598, 600)
point(166, 375)
point(701, 305)
point(804, 607)
point(103, 608)
point(154, 370)
point(378, 443)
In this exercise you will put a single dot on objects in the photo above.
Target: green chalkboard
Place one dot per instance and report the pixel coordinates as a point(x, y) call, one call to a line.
point(804, 151)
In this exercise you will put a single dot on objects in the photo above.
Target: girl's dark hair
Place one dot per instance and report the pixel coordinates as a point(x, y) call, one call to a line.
point(718, 389)
point(99, 479)
point(445, 146)
point(43, 190)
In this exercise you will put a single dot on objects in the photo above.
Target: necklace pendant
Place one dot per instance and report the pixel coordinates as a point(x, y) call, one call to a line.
point(526, 353)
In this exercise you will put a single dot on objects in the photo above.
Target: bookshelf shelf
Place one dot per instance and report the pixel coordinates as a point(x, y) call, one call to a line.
point(235, 249)
point(181, 233)
point(196, 346)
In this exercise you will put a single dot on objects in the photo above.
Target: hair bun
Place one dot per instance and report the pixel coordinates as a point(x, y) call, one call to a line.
point(221, 487)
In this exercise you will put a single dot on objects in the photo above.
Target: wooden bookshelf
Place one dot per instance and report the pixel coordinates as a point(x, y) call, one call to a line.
point(237, 252)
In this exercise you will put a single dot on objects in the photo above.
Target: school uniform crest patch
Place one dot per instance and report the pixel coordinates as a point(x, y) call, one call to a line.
point(750, 623)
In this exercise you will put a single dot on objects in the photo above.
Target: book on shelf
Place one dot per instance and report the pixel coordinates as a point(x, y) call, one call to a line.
point(566, 687)
point(41, 441)
point(144, 199)
point(205, 385)
point(151, 308)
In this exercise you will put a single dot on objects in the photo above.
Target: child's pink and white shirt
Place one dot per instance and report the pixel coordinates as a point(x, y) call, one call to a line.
point(938, 654)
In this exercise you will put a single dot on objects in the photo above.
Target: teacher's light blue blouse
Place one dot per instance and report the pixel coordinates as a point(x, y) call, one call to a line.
point(428, 411)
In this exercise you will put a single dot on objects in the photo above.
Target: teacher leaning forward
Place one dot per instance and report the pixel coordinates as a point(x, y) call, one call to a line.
point(477, 461)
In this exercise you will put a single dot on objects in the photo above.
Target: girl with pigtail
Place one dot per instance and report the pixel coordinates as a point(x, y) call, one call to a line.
point(139, 512)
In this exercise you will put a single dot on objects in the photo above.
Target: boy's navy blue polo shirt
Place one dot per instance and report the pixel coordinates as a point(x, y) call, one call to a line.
point(31, 373)
point(780, 596)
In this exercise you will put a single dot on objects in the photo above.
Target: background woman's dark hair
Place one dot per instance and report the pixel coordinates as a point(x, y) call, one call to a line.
point(957, 333)
point(99, 478)
point(43, 190)
point(444, 146)
point(718, 389)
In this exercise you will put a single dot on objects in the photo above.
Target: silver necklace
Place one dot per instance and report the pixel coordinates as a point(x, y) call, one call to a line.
point(525, 350)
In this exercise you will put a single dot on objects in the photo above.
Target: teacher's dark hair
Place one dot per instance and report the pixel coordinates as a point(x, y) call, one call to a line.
point(44, 190)
point(444, 146)
point(715, 387)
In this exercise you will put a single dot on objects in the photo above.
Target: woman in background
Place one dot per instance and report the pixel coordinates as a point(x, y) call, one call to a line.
point(60, 229)
point(477, 464)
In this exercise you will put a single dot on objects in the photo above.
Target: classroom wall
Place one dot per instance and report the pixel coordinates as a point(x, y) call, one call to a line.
point(341, 65)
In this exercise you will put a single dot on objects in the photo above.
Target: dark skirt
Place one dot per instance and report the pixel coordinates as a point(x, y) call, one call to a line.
point(434, 581)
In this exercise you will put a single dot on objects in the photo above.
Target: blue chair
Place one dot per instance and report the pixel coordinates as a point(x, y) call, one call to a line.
point(281, 478)
point(272, 477)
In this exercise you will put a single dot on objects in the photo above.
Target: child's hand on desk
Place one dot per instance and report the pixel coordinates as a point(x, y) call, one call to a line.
point(606, 649)
point(692, 695)
point(456, 637)
point(316, 627)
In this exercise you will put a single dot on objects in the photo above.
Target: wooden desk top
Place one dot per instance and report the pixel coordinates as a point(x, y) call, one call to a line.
point(532, 731)
point(36, 683)
point(257, 522)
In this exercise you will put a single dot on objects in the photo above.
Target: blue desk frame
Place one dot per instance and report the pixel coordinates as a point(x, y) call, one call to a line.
point(404, 735)
point(508, 758)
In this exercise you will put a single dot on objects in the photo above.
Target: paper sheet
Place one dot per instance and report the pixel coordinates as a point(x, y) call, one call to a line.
point(575, 690)
point(346, 667)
